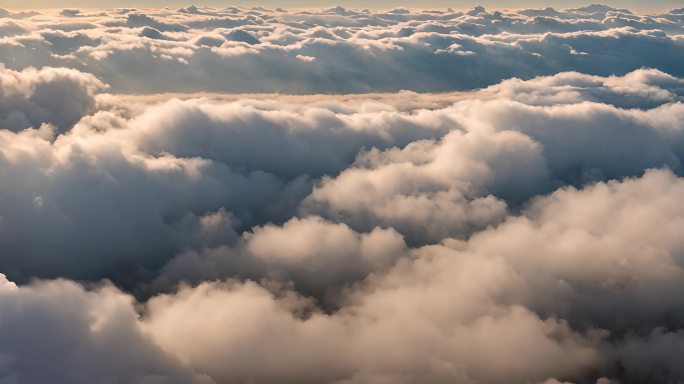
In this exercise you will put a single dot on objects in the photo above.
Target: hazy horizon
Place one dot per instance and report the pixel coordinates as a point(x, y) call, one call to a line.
point(656, 5)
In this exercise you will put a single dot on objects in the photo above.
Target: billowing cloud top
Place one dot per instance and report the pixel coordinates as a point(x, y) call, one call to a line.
point(522, 225)
point(339, 50)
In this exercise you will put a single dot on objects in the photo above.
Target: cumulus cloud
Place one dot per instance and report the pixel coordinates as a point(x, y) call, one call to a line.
point(427, 173)
point(639, 89)
point(56, 96)
point(526, 230)
point(99, 205)
point(502, 153)
point(319, 256)
point(339, 50)
point(556, 282)
point(58, 332)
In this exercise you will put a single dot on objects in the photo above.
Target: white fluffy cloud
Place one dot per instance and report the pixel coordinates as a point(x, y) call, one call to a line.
point(547, 294)
point(319, 256)
point(58, 332)
point(501, 152)
point(134, 181)
point(339, 50)
point(57, 96)
point(525, 231)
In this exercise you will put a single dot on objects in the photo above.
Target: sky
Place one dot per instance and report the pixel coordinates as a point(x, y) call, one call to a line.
point(373, 4)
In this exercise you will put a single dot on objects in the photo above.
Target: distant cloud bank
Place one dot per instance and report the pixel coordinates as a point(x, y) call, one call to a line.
point(339, 50)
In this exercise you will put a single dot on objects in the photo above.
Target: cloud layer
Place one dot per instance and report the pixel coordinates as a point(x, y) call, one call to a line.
point(526, 231)
point(339, 50)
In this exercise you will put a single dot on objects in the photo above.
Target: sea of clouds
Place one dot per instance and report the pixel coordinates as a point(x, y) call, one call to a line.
point(335, 196)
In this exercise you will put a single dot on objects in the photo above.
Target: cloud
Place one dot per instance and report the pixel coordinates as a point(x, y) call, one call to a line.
point(58, 332)
point(99, 206)
point(318, 256)
point(127, 188)
point(556, 282)
point(639, 89)
point(359, 345)
point(123, 191)
point(602, 258)
point(33, 97)
point(496, 200)
point(501, 154)
point(259, 50)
